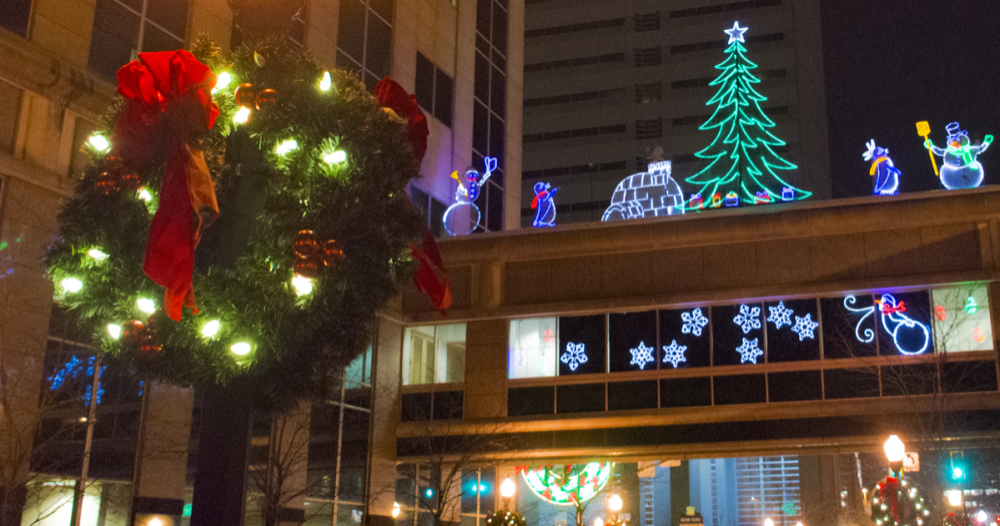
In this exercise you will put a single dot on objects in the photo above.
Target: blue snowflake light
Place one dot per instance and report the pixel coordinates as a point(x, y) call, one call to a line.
point(749, 351)
point(674, 354)
point(805, 327)
point(748, 318)
point(641, 355)
point(780, 315)
point(574, 355)
point(694, 321)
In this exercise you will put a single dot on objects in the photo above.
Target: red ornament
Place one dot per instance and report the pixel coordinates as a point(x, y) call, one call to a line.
point(106, 183)
point(940, 312)
point(308, 268)
point(129, 181)
point(245, 95)
point(304, 244)
point(267, 99)
point(331, 253)
point(134, 333)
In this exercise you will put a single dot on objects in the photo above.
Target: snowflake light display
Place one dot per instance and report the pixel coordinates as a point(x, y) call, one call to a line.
point(674, 353)
point(641, 355)
point(749, 351)
point(574, 355)
point(748, 318)
point(805, 327)
point(694, 321)
point(567, 485)
point(780, 315)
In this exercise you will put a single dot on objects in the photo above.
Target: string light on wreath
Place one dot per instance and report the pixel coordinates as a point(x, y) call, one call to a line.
point(115, 331)
point(223, 82)
point(241, 348)
point(211, 329)
point(71, 285)
point(99, 143)
point(897, 502)
point(97, 254)
point(241, 116)
point(326, 82)
point(567, 485)
point(146, 305)
point(286, 146)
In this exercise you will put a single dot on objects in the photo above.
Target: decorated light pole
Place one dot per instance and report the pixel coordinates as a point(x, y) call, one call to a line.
point(894, 500)
point(506, 516)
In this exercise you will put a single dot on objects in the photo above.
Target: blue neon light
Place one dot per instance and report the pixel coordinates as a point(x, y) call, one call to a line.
point(869, 334)
point(641, 355)
point(574, 355)
point(73, 369)
point(749, 351)
point(780, 315)
point(893, 320)
point(885, 173)
point(694, 321)
point(805, 327)
point(748, 318)
point(736, 33)
point(466, 195)
point(674, 353)
point(959, 168)
point(544, 206)
point(646, 194)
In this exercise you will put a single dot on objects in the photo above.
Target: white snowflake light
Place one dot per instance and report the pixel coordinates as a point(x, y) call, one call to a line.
point(749, 351)
point(780, 315)
point(574, 355)
point(748, 318)
point(674, 353)
point(805, 327)
point(694, 321)
point(641, 355)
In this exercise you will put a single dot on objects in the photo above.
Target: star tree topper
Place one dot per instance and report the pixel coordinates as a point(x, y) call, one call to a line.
point(736, 33)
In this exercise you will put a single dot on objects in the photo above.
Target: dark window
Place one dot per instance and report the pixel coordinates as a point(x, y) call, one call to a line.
point(433, 90)
point(798, 337)
point(425, 83)
point(581, 338)
point(649, 128)
point(528, 401)
point(443, 92)
point(448, 405)
point(364, 38)
point(849, 326)
point(632, 339)
point(686, 392)
point(693, 345)
point(480, 127)
point(10, 105)
point(297, 33)
point(723, 8)
point(738, 327)
point(897, 334)
point(500, 29)
point(909, 380)
point(647, 21)
point(585, 398)
point(498, 93)
point(484, 9)
point(649, 92)
point(416, 406)
point(740, 389)
point(624, 396)
point(497, 136)
point(494, 205)
point(118, 24)
point(490, 90)
point(968, 377)
point(14, 16)
point(794, 386)
point(851, 383)
point(647, 57)
point(437, 217)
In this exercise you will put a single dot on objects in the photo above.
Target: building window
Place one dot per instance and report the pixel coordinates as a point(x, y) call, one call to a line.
point(489, 113)
point(582, 345)
point(364, 38)
point(434, 354)
point(14, 16)
point(433, 208)
point(10, 106)
point(82, 129)
point(434, 90)
point(296, 34)
point(647, 57)
point(962, 319)
point(649, 128)
point(647, 22)
point(645, 93)
point(122, 29)
point(478, 495)
point(532, 351)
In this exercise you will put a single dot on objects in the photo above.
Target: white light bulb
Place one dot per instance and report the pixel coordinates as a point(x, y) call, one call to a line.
point(155, 521)
point(395, 510)
point(210, 329)
point(241, 348)
point(336, 157)
point(146, 305)
point(302, 285)
point(286, 146)
point(326, 82)
point(981, 516)
point(97, 254)
point(615, 503)
point(115, 331)
point(144, 195)
point(242, 115)
point(99, 143)
point(224, 79)
point(72, 285)
point(507, 488)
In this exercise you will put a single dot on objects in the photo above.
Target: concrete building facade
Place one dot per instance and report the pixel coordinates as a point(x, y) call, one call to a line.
point(606, 83)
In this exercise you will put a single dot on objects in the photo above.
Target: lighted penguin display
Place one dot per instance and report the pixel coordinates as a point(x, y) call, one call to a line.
point(466, 194)
point(909, 335)
point(960, 169)
point(544, 206)
point(653, 193)
point(883, 170)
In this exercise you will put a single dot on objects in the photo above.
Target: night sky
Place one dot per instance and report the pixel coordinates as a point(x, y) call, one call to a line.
point(891, 63)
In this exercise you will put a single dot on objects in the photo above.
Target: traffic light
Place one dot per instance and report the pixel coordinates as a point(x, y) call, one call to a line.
point(958, 467)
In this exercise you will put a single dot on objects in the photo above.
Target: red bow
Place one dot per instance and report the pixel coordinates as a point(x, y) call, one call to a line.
point(426, 278)
point(888, 490)
point(391, 95)
point(889, 309)
point(170, 104)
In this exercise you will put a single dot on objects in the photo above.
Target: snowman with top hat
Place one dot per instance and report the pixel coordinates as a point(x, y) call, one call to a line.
point(960, 168)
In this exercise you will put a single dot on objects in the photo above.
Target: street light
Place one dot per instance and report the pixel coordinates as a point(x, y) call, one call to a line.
point(894, 452)
point(507, 490)
point(395, 510)
point(768, 522)
point(598, 522)
point(955, 497)
point(981, 516)
point(615, 503)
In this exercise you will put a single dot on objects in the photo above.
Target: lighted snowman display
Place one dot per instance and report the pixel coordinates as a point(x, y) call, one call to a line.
point(960, 168)
point(653, 193)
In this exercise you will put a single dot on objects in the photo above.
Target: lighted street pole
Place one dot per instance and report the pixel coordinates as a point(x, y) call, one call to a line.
point(507, 490)
point(615, 505)
point(894, 452)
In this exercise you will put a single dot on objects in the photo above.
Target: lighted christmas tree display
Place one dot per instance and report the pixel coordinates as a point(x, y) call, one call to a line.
point(742, 162)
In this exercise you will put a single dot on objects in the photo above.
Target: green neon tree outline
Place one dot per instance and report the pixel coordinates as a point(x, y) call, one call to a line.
point(743, 136)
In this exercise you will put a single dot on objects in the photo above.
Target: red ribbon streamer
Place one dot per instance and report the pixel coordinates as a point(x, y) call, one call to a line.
point(888, 490)
point(889, 309)
point(170, 103)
